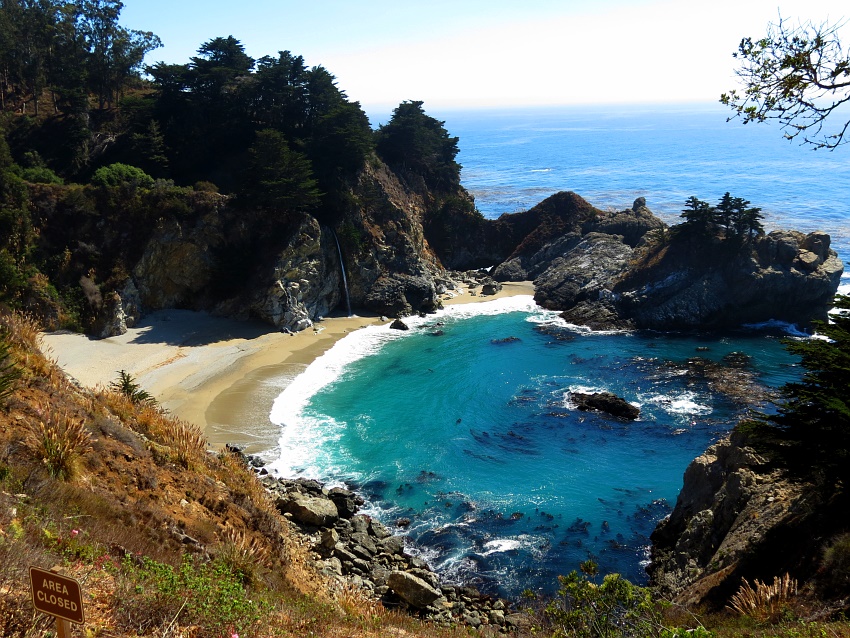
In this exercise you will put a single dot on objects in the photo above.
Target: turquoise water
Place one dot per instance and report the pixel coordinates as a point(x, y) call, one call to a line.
point(464, 426)
point(505, 484)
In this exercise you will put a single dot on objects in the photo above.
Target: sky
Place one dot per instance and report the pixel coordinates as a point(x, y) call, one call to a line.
point(489, 53)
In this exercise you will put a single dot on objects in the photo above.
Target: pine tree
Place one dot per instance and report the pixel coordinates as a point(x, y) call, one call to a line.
point(810, 433)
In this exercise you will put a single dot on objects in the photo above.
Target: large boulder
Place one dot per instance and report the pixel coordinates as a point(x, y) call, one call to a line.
point(606, 402)
point(309, 510)
point(305, 281)
point(412, 589)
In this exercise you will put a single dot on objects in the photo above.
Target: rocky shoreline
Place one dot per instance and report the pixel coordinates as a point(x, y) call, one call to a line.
point(357, 550)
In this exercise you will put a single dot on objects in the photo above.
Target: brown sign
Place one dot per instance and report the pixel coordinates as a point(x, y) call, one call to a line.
point(57, 595)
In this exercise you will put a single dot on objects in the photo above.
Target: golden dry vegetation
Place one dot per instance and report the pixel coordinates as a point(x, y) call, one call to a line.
point(166, 537)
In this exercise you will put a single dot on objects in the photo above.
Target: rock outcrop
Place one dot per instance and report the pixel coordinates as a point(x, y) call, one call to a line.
point(605, 402)
point(725, 525)
point(784, 275)
point(305, 280)
point(626, 270)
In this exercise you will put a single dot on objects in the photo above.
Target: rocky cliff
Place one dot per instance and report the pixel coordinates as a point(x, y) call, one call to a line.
point(386, 248)
point(227, 260)
point(738, 517)
point(628, 270)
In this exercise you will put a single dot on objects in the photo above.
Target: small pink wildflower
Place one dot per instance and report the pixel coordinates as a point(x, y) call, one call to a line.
point(74, 532)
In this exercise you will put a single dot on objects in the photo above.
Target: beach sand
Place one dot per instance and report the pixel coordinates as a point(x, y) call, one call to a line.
point(221, 374)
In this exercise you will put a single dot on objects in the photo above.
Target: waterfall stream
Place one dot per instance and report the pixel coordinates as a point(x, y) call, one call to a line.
point(342, 268)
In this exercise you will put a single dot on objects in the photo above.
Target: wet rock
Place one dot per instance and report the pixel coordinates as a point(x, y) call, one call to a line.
point(345, 501)
point(398, 324)
point(606, 402)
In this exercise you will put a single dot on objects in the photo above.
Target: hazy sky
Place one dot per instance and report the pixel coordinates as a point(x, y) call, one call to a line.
point(464, 53)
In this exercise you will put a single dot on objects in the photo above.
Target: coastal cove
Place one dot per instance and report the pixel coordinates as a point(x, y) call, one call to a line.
point(463, 430)
point(558, 493)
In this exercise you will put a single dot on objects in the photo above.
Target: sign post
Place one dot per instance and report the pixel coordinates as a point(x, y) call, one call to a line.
point(59, 596)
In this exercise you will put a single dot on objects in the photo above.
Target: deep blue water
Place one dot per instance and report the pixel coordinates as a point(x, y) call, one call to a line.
point(474, 439)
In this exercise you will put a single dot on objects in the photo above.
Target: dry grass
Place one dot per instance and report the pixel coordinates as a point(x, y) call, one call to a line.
point(186, 439)
point(244, 554)
point(59, 440)
point(764, 603)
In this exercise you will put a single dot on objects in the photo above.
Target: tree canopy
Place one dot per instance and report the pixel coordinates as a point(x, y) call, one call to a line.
point(811, 430)
point(733, 215)
point(800, 76)
point(71, 48)
point(417, 143)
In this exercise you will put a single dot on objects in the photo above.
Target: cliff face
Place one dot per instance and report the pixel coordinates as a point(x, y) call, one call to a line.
point(627, 270)
point(738, 517)
point(393, 242)
point(784, 275)
point(291, 280)
point(726, 524)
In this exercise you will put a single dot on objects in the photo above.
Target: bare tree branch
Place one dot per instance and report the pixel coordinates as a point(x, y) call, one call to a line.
point(800, 76)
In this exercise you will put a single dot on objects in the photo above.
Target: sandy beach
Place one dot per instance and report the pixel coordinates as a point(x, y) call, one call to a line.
point(219, 373)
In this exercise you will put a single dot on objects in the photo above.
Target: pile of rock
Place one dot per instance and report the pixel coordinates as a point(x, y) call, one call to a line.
point(358, 550)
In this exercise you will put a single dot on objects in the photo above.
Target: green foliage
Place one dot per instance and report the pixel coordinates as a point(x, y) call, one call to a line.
point(834, 576)
point(278, 178)
point(351, 238)
point(614, 607)
point(798, 75)
point(207, 594)
point(810, 433)
point(121, 175)
point(74, 48)
point(418, 144)
point(732, 214)
point(41, 175)
point(126, 385)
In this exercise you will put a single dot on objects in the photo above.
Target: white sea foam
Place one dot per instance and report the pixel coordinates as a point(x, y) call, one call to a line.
point(682, 404)
point(773, 324)
point(551, 317)
point(304, 437)
point(581, 389)
point(500, 545)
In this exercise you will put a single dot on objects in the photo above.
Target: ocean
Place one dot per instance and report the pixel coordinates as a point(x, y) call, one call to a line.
point(464, 427)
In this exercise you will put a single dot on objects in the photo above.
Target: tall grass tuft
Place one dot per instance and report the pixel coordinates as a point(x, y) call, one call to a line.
point(23, 330)
point(9, 372)
point(59, 440)
point(764, 603)
point(244, 555)
point(185, 439)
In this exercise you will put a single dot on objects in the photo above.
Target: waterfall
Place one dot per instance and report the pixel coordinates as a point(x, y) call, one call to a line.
point(342, 268)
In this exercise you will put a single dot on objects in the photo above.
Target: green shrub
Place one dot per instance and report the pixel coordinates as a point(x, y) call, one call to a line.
point(614, 607)
point(41, 175)
point(835, 568)
point(121, 175)
point(126, 385)
point(209, 595)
